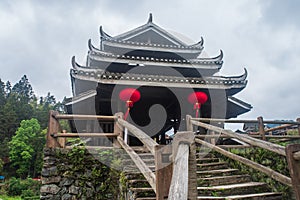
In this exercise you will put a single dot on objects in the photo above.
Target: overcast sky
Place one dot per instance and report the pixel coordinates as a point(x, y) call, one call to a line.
point(38, 38)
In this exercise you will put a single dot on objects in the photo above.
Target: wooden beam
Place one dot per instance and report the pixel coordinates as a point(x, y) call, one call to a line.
point(118, 129)
point(142, 136)
point(261, 127)
point(278, 127)
point(109, 135)
point(297, 155)
point(245, 121)
point(144, 169)
point(271, 173)
point(163, 170)
point(298, 120)
point(53, 127)
point(85, 117)
point(189, 125)
point(245, 138)
point(294, 167)
point(179, 184)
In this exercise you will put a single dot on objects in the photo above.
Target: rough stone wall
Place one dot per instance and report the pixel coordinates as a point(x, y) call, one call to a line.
point(68, 175)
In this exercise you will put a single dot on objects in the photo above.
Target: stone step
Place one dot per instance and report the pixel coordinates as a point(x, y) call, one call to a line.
point(223, 180)
point(257, 196)
point(146, 198)
point(143, 192)
point(146, 161)
point(146, 155)
point(207, 160)
point(217, 172)
point(138, 183)
point(204, 155)
point(212, 166)
point(233, 189)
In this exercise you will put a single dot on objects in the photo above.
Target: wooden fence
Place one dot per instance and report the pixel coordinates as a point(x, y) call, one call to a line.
point(175, 165)
point(162, 179)
point(291, 152)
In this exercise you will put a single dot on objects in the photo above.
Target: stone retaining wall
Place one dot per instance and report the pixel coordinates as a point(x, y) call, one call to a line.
point(68, 176)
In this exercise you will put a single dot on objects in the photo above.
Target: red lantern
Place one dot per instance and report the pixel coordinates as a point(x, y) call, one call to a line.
point(130, 96)
point(197, 98)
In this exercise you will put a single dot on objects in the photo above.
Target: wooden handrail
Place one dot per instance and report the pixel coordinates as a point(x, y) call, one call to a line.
point(245, 138)
point(85, 117)
point(273, 174)
point(144, 169)
point(179, 184)
point(66, 135)
point(244, 121)
point(278, 127)
point(142, 136)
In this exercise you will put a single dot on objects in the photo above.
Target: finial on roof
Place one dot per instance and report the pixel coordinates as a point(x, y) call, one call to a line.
point(101, 31)
point(150, 18)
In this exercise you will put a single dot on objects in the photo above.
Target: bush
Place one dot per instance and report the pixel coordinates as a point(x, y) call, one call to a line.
point(26, 188)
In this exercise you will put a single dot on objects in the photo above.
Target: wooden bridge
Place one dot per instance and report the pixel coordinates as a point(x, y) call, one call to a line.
point(188, 168)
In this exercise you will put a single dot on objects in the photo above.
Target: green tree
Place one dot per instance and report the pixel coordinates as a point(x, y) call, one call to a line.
point(1, 165)
point(2, 94)
point(22, 147)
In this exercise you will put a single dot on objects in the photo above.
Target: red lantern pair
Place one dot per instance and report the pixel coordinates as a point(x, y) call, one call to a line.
point(197, 98)
point(130, 96)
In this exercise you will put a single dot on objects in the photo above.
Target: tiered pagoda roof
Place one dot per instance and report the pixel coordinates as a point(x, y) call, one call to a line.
point(162, 60)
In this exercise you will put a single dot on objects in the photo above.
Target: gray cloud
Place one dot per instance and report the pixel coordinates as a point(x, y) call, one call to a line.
point(38, 38)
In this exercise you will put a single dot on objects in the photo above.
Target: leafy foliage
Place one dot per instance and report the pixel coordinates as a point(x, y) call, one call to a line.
point(22, 146)
point(26, 188)
point(17, 103)
point(104, 177)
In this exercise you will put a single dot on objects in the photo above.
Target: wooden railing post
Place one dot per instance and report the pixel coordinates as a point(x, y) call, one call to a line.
point(189, 125)
point(183, 184)
point(298, 120)
point(261, 127)
point(118, 129)
point(163, 170)
point(294, 166)
point(53, 127)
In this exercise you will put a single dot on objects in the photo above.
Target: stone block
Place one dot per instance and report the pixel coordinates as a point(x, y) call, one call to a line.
point(49, 189)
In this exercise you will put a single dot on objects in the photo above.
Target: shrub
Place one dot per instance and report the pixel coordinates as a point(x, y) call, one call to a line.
point(25, 187)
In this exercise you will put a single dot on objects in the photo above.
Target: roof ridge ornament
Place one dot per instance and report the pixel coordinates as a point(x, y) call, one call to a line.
point(150, 19)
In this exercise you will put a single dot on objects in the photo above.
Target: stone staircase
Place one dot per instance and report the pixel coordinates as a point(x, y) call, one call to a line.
point(215, 180)
point(138, 187)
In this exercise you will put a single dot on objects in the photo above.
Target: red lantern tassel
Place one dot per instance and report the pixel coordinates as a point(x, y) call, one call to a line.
point(129, 104)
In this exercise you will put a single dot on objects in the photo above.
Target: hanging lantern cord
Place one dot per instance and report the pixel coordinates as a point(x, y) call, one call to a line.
point(197, 107)
point(129, 104)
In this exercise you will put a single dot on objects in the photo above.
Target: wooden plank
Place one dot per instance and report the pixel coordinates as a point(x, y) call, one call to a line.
point(179, 184)
point(245, 138)
point(163, 170)
point(85, 117)
point(294, 167)
point(244, 121)
point(142, 136)
point(67, 135)
point(278, 127)
point(189, 125)
point(144, 169)
point(278, 136)
point(297, 155)
point(273, 174)
point(298, 120)
point(261, 127)
point(53, 127)
point(118, 129)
